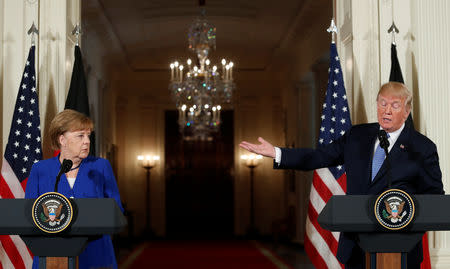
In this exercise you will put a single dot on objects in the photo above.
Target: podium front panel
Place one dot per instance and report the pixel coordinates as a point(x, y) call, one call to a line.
point(355, 213)
point(93, 217)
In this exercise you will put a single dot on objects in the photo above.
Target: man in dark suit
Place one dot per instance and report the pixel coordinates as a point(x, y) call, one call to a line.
point(413, 157)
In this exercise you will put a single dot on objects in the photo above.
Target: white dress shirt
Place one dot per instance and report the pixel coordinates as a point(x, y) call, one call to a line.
point(71, 181)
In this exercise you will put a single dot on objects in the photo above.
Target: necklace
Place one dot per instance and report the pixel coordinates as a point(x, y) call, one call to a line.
point(76, 167)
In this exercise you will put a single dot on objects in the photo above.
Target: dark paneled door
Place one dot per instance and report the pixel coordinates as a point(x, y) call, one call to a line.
point(199, 182)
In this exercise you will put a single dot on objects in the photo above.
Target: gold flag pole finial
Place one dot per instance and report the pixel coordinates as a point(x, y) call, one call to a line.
point(33, 31)
point(333, 30)
point(393, 30)
point(77, 32)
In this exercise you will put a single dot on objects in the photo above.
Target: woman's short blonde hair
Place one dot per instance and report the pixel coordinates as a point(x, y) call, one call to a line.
point(397, 89)
point(67, 121)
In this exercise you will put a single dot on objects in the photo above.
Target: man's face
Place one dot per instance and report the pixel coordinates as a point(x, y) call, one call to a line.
point(392, 112)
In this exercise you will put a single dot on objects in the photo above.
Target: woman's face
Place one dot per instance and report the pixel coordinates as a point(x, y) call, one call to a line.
point(75, 144)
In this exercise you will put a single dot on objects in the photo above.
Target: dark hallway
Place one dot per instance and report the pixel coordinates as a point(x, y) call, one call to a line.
point(199, 182)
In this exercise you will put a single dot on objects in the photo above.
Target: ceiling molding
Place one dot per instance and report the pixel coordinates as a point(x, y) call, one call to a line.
point(246, 25)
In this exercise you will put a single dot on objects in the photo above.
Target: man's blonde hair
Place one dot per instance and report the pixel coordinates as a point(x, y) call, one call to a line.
point(67, 121)
point(397, 89)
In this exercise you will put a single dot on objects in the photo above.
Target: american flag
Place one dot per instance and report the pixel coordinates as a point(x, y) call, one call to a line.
point(321, 245)
point(22, 150)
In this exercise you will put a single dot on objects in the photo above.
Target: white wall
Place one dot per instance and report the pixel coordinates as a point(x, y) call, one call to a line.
point(430, 58)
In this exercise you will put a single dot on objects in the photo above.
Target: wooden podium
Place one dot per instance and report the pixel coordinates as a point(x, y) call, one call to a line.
point(92, 218)
point(387, 249)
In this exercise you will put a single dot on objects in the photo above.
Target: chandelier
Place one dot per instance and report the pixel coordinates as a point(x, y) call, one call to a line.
point(200, 89)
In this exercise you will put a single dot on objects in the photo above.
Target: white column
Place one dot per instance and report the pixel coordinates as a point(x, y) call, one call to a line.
point(366, 65)
point(16, 19)
point(344, 43)
point(56, 21)
point(358, 45)
point(430, 65)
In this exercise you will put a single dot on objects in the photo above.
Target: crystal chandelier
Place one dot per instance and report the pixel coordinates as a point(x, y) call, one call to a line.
point(201, 89)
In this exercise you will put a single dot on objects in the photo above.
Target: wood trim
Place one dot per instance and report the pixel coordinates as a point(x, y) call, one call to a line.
point(386, 260)
point(59, 263)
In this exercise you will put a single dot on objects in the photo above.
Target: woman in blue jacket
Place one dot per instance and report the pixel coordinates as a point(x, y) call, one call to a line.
point(89, 177)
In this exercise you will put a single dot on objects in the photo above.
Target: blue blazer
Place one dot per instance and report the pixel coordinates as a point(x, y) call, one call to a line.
point(95, 179)
point(414, 168)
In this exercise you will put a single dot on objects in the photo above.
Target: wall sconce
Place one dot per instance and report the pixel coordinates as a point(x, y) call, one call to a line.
point(251, 160)
point(148, 161)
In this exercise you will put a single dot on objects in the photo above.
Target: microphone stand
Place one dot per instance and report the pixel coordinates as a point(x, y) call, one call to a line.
point(65, 167)
point(388, 167)
point(384, 144)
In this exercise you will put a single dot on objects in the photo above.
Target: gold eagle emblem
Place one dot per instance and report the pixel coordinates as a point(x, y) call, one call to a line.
point(52, 212)
point(395, 210)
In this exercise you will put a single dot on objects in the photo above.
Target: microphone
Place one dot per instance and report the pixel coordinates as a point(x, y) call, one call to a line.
point(65, 167)
point(384, 142)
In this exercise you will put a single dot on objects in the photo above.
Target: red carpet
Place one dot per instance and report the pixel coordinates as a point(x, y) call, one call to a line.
point(203, 255)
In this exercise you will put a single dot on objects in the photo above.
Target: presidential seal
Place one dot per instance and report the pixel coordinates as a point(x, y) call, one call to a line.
point(394, 209)
point(52, 212)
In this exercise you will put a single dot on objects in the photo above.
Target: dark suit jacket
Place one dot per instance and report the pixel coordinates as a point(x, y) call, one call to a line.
point(414, 168)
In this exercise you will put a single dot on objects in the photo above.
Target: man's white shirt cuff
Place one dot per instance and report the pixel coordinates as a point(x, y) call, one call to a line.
point(277, 155)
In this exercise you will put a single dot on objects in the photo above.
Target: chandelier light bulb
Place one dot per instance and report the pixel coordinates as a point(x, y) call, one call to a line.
point(200, 88)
